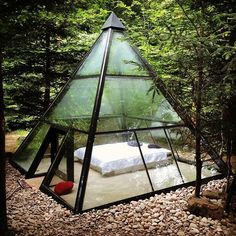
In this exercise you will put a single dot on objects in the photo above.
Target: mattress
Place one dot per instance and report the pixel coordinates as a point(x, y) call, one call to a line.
point(118, 158)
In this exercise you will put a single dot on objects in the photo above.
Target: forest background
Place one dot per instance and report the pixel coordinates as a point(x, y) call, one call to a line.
point(191, 44)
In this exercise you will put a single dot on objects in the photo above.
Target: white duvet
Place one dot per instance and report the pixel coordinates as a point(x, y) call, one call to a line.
point(120, 157)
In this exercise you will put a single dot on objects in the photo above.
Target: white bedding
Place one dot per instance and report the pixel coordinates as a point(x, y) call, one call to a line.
point(117, 158)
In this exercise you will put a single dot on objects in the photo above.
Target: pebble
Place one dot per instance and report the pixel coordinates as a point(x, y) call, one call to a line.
point(109, 226)
point(190, 217)
point(30, 212)
point(192, 225)
point(194, 231)
point(180, 233)
point(142, 206)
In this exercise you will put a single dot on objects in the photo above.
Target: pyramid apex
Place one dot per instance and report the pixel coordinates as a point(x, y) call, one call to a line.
point(113, 22)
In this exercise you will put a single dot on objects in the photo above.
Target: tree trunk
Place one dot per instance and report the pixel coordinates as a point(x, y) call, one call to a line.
point(233, 118)
point(47, 70)
point(198, 104)
point(232, 102)
point(3, 217)
point(229, 122)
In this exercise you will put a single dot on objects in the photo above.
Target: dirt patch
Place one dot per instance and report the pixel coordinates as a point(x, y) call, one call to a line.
point(12, 142)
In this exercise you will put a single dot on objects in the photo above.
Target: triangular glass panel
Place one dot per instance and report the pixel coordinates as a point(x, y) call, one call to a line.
point(123, 59)
point(93, 62)
point(28, 150)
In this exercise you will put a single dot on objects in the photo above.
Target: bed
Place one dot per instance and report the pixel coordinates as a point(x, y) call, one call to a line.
point(118, 158)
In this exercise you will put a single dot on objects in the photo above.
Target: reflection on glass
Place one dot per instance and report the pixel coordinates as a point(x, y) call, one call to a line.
point(173, 168)
point(128, 103)
point(92, 64)
point(60, 175)
point(76, 106)
point(116, 171)
point(30, 148)
point(123, 60)
point(61, 172)
point(47, 158)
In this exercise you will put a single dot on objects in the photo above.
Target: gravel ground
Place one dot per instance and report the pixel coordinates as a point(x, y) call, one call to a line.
point(30, 212)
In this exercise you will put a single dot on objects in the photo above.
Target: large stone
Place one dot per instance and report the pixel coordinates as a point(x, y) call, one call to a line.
point(213, 194)
point(204, 207)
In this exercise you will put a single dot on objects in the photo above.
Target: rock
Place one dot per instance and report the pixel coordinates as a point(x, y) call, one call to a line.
point(204, 219)
point(151, 228)
point(142, 206)
point(192, 225)
point(203, 207)
point(138, 209)
point(190, 217)
point(130, 214)
point(212, 194)
point(113, 211)
point(180, 233)
point(161, 224)
point(109, 227)
point(114, 225)
point(194, 231)
point(146, 215)
point(110, 219)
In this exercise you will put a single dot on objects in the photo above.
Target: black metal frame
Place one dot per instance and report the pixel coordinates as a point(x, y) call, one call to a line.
point(66, 148)
point(173, 153)
point(146, 195)
point(230, 192)
point(50, 138)
point(93, 127)
point(67, 145)
point(143, 160)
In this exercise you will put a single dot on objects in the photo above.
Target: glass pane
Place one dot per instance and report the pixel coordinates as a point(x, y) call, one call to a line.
point(184, 146)
point(47, 157)
point(165, 114)
point(60, 174)
point(116, 171)
point(92, 64)
point(27, 153)
point(123, 60)
point(163, 172)
point(75, 106)
point(173, 170)
point(127, 103)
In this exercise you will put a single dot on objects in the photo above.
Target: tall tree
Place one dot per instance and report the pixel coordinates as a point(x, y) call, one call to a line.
point(3, 219)
point(4, 27)
point(54, 39)
point(8, 10)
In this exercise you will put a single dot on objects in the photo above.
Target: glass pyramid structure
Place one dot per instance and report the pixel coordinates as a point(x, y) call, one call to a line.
point(107, 131)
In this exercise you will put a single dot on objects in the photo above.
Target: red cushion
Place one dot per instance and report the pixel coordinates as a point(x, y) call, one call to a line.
point(63, 187)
